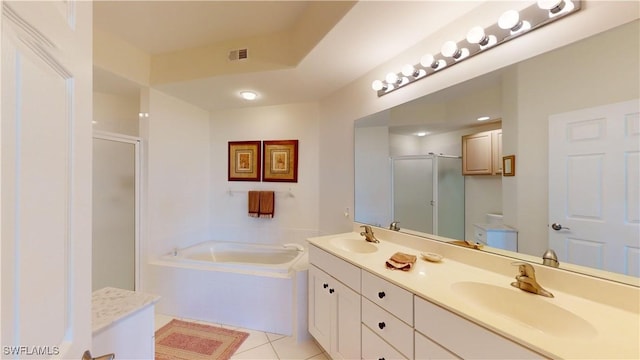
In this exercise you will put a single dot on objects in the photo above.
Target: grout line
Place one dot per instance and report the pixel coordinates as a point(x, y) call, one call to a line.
point(274, 350)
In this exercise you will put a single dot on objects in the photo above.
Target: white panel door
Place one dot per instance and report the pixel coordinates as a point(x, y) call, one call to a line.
point(594, 157)
point(46, 179)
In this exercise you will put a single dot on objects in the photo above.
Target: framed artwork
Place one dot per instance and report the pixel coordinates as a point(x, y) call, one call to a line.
point(280, 160)
point(244, 161)
point(509, 165)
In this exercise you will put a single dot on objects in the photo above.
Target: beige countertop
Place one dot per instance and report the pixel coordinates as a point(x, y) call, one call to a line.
point(109, 305)
point(604, 331)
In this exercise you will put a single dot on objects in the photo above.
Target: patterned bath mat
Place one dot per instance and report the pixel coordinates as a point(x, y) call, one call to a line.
point(182, 340)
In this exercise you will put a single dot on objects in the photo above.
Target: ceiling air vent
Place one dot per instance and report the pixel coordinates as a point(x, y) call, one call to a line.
point(239, 54)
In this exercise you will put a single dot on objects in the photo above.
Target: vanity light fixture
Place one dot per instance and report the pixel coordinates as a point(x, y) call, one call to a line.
point(484, 118)
point(509, 25)
point(556, 7)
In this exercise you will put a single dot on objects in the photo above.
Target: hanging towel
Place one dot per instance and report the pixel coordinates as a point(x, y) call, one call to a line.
point(401, 261)
point(254, 203)
point(267, 204)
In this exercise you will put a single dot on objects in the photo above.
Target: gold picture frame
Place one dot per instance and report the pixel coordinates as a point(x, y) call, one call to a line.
point(244, 161)
point(280, 160)
point(509, 165)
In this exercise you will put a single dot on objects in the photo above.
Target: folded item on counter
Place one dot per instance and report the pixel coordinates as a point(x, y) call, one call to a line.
point(401, 261)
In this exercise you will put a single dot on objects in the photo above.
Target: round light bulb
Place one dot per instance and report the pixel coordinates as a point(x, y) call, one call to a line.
point(248, 95)
point(450, 49)
point(392, 78)
point(428, 61)
point(408, 70)
point(377, 85)
point(509, 20)
point(476, 35)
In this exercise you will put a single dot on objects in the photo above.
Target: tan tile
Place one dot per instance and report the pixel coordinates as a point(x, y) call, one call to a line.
point(274, 337)
point(264, 352)
point(321, 356)
point(255, 339)
point(288, 348)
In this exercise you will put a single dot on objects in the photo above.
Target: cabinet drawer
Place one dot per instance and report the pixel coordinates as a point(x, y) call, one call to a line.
point(463, 337)
point(390, 297)
point(388, 327)
point(374, 348)
point(348, 274)
point(427, 349)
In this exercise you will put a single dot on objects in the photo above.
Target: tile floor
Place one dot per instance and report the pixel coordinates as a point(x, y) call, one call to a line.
point(265, 346)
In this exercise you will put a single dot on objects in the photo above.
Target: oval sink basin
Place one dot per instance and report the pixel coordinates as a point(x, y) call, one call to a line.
point(354, 245)
point(528, 309)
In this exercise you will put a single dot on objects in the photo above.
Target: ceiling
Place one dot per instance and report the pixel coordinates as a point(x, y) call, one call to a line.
point(333, 44)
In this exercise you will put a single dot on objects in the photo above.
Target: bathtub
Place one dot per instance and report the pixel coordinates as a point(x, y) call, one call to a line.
point(243, 257)
point(255, 286)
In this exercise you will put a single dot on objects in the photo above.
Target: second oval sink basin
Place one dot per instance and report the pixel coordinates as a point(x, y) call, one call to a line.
point(354, 245)
point(525, 308)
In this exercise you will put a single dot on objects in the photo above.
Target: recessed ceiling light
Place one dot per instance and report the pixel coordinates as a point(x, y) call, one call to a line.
point(484, 118)
point(423, 133)
point(248, 95)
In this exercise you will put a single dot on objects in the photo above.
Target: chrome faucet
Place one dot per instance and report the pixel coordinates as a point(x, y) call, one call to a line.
point(368, 234)
point(394, 226)
point(526, 280)
point(550, 258)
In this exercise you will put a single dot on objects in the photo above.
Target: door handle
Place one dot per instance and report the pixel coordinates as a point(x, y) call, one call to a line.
point(558, 227)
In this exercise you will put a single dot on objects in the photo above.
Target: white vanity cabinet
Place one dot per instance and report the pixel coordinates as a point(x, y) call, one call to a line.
point(334, 306)
point(496, 235)
point(426, 348)
point(356, 314)
point(123, 323)
point(387, 312)
point(129, 338)
point(461, 337)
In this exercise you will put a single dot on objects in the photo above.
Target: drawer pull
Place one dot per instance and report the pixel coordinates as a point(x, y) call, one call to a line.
point(382, 325)
point(331, 291)
point(325, 285)
point(381, 294)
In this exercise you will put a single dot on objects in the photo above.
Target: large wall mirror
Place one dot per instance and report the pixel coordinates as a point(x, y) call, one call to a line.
point(408, 159)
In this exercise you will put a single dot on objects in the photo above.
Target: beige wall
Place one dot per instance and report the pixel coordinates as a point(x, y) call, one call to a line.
point(296, 209)
point(116, 113)
point(176, 174)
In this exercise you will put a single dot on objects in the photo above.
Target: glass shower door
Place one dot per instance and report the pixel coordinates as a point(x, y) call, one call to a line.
point(450, 205)
point(412, 179)
point(114, 213)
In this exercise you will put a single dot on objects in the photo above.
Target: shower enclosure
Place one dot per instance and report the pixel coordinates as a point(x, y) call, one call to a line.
point(428, 194)
point(115, 211)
